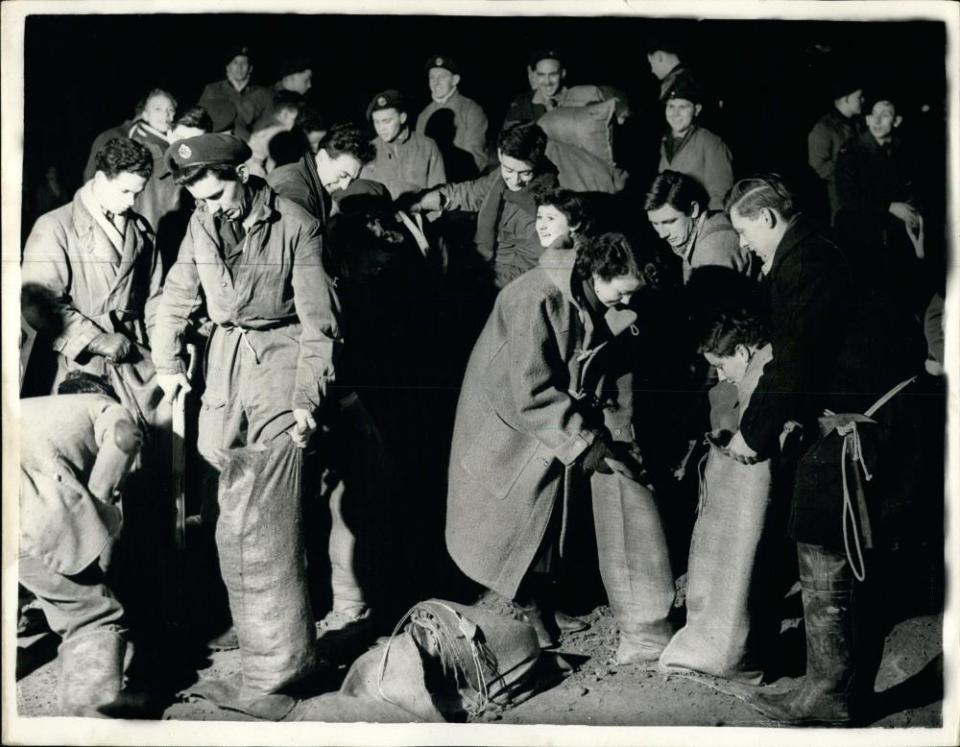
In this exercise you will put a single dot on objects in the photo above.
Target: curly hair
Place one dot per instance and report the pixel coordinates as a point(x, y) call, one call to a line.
point(608, 256)
point(765, 191)
point(679, 191)
point(731, 328)
point(347, 137)
point(526, 142)
point(122, 155)
point(565, 201)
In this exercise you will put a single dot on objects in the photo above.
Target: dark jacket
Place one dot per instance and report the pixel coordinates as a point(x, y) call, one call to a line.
point(251, 103)
point(300, 183)
point(824, 142)
point(535, 397)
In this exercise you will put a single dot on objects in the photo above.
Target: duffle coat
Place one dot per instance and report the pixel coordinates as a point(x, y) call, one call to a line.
point(541, 385)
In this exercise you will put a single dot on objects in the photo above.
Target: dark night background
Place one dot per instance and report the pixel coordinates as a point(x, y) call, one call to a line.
point(84, 73)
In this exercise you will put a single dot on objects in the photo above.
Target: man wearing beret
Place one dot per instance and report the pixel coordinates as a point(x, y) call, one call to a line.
point(406, 161)
point(296, 78)
point(546, 73)
point(663, 55)
point(443, 77)
point(252, 259)
point(692, 149)
point(832, 130)
point(249, 99)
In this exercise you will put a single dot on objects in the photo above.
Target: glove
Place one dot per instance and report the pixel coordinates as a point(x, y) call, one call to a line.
point(594, 458)
point(171, 384)
point(112, 346)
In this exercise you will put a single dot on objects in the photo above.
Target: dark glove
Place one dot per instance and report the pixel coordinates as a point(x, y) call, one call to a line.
point(627, 460)
point(113, 346)
point(594, 458)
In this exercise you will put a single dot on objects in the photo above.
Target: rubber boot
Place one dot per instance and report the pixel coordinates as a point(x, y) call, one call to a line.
point(826, 695)
point(91, 672)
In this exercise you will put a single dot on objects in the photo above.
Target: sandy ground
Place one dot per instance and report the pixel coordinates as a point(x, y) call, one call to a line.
point(597, 691)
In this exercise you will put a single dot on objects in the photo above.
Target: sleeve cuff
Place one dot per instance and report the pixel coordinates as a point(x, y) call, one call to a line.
point(72, 346)
point(574, 447)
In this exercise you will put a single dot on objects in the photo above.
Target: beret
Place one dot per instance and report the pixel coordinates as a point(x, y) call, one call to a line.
point(237, 51)
point(389, 99)
point(843, 84)
point(685, 87)
point(206, 150)
point(670, 45)
point(293, 65)
point(545, 54)
point(364, 196)
point(441, 60)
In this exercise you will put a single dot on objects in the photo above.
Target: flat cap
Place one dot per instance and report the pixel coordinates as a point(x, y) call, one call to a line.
point(685, 87)
point(442, 60)
point(206, 150)
point(389, 99)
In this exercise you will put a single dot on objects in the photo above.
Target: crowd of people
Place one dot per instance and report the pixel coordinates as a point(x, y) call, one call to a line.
point(478, 338)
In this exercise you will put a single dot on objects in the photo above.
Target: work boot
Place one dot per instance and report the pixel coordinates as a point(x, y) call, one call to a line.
point(827, 692)
point(532, 613)
point(91, 672)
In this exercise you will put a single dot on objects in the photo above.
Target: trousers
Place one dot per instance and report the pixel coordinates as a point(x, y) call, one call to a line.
point(72, 604)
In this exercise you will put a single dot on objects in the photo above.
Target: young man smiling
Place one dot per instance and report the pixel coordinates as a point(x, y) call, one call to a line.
point(406, 161)
point(692, 149)
point(443, 77)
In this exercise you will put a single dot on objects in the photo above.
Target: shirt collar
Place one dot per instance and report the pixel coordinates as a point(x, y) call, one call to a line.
point(97, 212)
point(686, 249)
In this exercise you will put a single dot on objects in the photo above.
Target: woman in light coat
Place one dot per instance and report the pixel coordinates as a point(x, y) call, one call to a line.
point(544, 418)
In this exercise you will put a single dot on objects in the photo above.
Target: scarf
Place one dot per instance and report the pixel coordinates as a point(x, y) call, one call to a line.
point(488, 219)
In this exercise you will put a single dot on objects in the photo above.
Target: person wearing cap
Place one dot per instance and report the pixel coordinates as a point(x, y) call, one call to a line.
point(877, 210)
point(248, 99)
point(547, 72)
point(251, 258)
point(95, 262)
point(406, 161)
point(469, 120)
point(506, 236)
point(76, 447)
point(296, 78)
point(691, 149)
point(831, 131)
point(663, 55)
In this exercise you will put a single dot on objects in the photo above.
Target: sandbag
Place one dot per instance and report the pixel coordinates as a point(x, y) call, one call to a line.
point(587, 127)
point(444, 662)
point(582, 95)
point(723, 556)
point(584, 172)
point(260, 544)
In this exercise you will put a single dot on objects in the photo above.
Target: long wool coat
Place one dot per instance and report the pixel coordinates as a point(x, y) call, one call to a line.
point(535, 396)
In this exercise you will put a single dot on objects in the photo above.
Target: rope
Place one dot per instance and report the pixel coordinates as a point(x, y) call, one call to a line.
point(850, 435)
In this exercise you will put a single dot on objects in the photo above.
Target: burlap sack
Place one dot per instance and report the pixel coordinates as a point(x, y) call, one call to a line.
point(583, 171)
point(260, 543)
point(587, 127)
point(723, 557)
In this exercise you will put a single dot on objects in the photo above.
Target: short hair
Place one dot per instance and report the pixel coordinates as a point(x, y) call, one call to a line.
point(346, 137)
point(121, 155)
point(566, 201)
point(195, 116)
point(84, 382)
point(608, 256)
point(525, 141)
point(287, 100)
point(677, 190)
point(765, 191)
point(731, 328)
point(190, 175)
point(142, 103)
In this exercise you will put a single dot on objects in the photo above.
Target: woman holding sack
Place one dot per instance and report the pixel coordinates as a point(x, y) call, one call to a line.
point(544, 418)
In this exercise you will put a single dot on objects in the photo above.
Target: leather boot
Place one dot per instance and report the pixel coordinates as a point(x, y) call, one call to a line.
point(827, 693)
point(91, 672)
point(535, 602)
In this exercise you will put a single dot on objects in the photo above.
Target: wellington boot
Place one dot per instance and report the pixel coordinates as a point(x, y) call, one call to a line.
point(91, 672)
point(548, 634)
